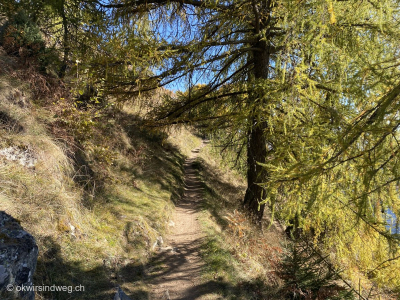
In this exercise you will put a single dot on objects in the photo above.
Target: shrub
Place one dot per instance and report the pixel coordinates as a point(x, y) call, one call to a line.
point(22, 37)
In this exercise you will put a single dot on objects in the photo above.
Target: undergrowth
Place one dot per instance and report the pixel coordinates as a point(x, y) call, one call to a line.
point(249, 263)
point(237, 255)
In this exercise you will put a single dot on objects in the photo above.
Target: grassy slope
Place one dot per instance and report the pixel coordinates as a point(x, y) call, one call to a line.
point(93, 227)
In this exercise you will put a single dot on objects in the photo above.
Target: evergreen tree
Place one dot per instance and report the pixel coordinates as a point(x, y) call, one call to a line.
point(308, 275)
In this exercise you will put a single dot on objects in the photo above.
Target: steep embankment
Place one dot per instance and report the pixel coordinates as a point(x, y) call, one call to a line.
point(94, 189)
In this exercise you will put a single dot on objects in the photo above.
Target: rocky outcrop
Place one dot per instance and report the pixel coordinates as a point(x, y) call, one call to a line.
point(18, 256)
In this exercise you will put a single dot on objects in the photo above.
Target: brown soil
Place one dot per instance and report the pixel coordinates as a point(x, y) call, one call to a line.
point(177, 269)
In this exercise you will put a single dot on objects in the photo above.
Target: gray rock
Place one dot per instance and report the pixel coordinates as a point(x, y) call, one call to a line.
point(120, 295)
point(25, 157)
point(154, 246)
point(166, 295)
point(160, 241)
point(18, 256)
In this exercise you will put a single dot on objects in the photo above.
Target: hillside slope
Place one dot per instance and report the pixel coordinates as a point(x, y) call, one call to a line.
point(94, 192)
point(97, 191)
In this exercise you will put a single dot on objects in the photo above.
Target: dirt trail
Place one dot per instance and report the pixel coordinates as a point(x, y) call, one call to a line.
point(176, 270)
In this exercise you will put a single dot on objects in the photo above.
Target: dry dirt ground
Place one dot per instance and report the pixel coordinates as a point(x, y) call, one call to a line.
point(176, 272)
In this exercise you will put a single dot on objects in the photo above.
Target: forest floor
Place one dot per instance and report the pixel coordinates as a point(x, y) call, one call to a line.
point(175, 272)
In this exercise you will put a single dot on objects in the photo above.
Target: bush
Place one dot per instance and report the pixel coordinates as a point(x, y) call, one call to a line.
point(21, 36)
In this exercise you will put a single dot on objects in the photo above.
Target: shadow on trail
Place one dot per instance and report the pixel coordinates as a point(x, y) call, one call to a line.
point(163, 264)
point(169, 260)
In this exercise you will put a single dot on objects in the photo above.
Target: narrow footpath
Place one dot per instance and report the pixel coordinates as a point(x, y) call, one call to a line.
point(177, 269)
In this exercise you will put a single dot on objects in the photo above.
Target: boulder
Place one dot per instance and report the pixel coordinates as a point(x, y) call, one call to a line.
point(18, 256)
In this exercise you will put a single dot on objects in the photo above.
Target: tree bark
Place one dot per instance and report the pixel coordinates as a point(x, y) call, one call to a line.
point(256, 142)
point(66, 48)
point(256, 138)
point(256, 152)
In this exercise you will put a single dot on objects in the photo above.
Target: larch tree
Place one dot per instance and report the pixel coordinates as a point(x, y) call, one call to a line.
point(308, 91)
point(255, 59)
point(232, 46)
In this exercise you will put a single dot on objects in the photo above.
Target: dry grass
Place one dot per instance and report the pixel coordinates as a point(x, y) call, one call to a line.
point(241, 257)
point(182, 138)
point(98, 237)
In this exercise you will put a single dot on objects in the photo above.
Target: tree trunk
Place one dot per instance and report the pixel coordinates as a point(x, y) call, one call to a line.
point(256, 141)
point(66, 48)
point(256, 152)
